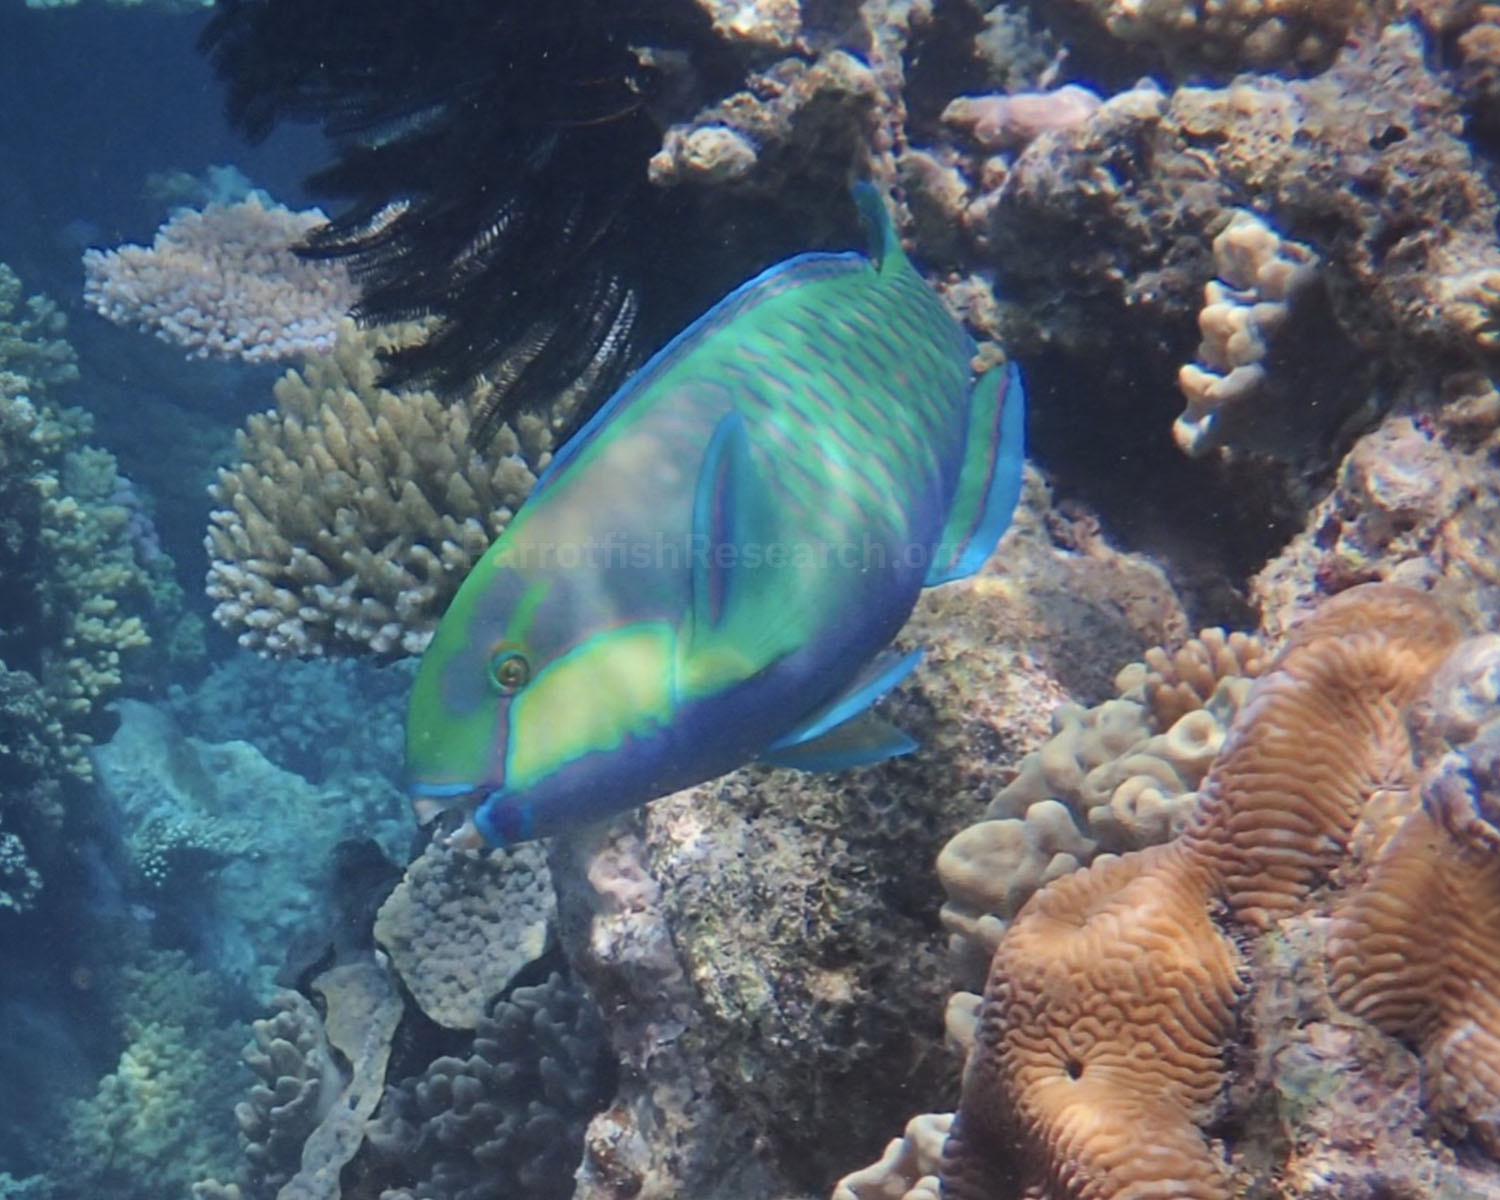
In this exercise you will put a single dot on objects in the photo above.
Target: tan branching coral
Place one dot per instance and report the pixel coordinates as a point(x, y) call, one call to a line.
point(225, 283)
point(1098, 1053)
point(1260, 276)
point(357, 511)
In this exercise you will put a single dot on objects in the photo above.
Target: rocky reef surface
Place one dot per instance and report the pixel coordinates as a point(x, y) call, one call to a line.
point(1197, 854)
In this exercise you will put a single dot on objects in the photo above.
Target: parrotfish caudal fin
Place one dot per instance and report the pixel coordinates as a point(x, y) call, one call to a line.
point(989, 484)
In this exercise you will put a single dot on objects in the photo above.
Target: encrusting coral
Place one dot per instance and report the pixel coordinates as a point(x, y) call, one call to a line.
point(357, 511)
point(463, 923)
point(1098, 1055)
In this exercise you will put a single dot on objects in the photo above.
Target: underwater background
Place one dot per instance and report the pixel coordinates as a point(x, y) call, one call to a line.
point(1191, 887)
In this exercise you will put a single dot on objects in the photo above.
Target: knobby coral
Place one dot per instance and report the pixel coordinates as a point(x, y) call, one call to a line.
point(1098, 1052)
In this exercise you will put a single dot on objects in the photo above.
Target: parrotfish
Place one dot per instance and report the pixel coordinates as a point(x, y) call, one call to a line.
point(710, 571)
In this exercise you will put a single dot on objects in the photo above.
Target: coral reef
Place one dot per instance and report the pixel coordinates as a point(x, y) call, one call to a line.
point(1417, 502)
point(403, 506)
point(508, 1119)
point(763, 946)
point(77, 596)
point(1264, 318)
point(1114, 994)
point(213, 829)
point(160, 1119)
point(1113, 778)
point(462, 923)
point(1140, 189)
point(224, 283)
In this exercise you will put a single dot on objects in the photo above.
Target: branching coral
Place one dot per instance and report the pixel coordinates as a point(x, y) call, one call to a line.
point(357, 511)
point(1269, 344)
point(1084, 1059)
point(224, 283)
point(74, 592)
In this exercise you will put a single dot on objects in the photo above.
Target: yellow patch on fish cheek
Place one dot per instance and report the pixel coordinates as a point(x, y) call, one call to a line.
point(615, 684)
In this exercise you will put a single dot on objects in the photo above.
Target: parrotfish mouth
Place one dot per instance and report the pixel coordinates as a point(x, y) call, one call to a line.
point(429, 801)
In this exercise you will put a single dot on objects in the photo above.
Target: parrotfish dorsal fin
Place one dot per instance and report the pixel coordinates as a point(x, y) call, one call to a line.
point(882, 241)
point(771, 283)
point(989, 484)
point(858, 742)
point(877, 678)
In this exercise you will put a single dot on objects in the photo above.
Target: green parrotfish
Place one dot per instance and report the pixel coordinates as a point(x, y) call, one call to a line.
point(711, 570)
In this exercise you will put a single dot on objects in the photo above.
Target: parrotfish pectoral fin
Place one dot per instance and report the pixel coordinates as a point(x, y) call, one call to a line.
point(731, 514)
point(862, 740)
point(882, 673)
point(989, 484)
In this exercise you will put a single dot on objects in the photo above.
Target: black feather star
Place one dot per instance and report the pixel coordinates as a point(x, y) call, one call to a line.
point(493, 170)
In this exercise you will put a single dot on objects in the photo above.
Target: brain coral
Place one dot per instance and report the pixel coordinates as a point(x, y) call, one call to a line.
point(1113, 994)
point(1116, 777)
point(1416, 950)
point(357, 511)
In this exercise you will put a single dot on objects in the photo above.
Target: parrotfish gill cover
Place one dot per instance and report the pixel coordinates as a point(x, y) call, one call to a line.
point(710, 569)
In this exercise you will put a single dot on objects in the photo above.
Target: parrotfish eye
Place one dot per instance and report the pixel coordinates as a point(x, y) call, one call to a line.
point(509, 670)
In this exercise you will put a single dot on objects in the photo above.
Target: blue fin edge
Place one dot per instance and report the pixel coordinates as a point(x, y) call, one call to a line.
point(1004, 491)
point(880, 741)
point(874, 682)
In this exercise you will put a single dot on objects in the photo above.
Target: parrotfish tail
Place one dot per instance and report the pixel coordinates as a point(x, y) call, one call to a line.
point(989, 484)
point(884, 243)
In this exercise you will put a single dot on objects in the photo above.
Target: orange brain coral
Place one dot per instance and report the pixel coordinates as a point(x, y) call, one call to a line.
point(1416, 951)
point(1110, 1000)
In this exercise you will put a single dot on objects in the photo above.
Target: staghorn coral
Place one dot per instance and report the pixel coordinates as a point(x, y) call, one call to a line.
point(1082, 1057)
point(357, 511)
point(1116, 777)
point(224, 283)
point(463, 923)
